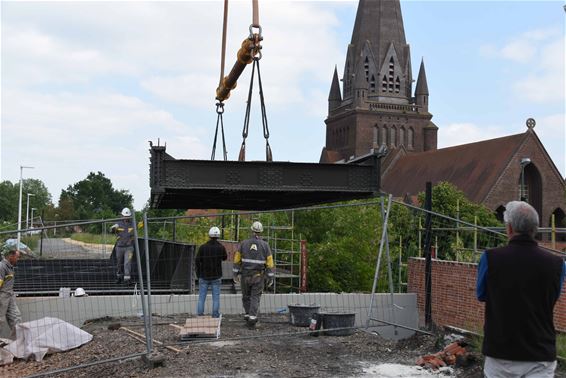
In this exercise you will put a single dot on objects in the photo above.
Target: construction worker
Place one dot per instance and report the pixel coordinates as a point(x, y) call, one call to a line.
point(209, 271)
point(124, 246)
point(9, 311)
point(253, 265)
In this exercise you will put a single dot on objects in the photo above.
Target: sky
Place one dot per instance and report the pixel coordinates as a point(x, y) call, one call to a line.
point(86, 85)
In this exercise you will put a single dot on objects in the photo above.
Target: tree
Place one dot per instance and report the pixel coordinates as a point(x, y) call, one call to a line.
point(10, 196)
point(93, 197)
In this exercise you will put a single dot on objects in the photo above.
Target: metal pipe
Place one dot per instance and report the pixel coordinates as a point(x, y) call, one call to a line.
point(376, 274)
point(244, 57)
point(402, 326)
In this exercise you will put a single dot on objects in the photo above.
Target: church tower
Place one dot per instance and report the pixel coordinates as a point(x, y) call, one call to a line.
point(376, 105)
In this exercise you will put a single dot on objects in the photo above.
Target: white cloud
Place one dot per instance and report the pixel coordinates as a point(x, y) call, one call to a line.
point(461, 133)
point(541, 53)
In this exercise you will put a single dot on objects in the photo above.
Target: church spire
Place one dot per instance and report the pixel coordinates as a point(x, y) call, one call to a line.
point(334, 97)
point(379, 52)
point(421, 90)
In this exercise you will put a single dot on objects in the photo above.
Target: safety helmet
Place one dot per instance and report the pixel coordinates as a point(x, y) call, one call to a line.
point(214, 232)
point(257, 227)
point(80, 292)
point(126, 212)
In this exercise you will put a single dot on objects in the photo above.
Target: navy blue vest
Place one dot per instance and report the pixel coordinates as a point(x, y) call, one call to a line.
point(523, 284)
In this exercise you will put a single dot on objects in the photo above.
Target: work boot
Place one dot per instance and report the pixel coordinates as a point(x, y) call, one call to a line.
point(252, 321)
point(246, 317)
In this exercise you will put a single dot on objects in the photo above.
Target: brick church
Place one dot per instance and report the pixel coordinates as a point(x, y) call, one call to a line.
point(377, 107)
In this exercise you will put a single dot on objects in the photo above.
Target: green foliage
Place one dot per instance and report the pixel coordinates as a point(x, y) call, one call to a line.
point(10, 195)
point(93, 197)
point(561, 345)
point(450, 201)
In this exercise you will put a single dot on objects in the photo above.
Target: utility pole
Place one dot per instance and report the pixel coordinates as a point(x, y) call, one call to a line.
point(20, 207)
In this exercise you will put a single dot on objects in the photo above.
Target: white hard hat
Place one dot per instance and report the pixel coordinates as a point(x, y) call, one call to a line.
point(214, 232)
point(126, 212)
point(80, 292)
point(257, 227)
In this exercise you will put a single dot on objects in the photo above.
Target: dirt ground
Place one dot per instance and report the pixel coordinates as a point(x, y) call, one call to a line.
point(274, 349)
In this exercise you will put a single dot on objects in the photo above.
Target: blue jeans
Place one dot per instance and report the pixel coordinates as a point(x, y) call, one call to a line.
point(202, 291)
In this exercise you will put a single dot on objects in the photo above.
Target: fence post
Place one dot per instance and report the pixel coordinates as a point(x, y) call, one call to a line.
point(174, 229)
point(140, 279)
point(428, 255)
point(148, 278)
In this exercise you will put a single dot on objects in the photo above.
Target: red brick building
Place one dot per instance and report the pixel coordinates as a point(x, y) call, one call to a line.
point(377, 107)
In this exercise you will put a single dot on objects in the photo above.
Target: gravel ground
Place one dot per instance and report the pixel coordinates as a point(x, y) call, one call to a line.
point(274, 349)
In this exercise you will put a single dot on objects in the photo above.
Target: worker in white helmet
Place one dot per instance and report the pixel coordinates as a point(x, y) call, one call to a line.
point(124, 246)
point(209, 271)
point(253, 266)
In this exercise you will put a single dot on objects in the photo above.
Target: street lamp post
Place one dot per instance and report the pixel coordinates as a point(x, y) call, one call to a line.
point(20, 207)
point(524, 163)
point(31, 218)
point(27, 209)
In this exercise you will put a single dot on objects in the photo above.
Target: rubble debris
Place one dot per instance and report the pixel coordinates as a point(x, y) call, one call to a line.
point(449, 356)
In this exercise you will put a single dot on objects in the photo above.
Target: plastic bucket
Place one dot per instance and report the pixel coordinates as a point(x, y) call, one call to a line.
point(339, 320)
point(300, 315)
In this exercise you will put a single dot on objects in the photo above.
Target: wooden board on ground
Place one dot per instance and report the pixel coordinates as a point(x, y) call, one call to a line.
point(202, 326)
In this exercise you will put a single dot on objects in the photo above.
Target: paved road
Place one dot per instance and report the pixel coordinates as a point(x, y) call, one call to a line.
point(71, 249)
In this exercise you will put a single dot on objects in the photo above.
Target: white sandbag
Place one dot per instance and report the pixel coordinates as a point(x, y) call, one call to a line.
point(46, 335)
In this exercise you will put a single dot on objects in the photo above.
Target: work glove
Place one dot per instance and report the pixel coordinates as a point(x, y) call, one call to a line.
point(236, 278)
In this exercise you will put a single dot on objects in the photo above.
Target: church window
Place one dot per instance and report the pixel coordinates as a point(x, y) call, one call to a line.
point(410, 138)
point(402, 136)
point(392, 136)
point(384, 135)
point(372, 84)
point(375, 136)
point(384, 84)
point(390, 78)
point(397, 85)
point(366, 68)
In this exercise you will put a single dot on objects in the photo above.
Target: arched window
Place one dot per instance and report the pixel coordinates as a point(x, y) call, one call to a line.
point(499, 213)
point(397, 85)
point(410, 138)
point(384, 135)
point(559, 222)
point(392, 136)
point(390, 76)
point(372, 84)
point(384, 84)
point(402, 136)
point(375, 135)
point(366, 68)
point(532, 191)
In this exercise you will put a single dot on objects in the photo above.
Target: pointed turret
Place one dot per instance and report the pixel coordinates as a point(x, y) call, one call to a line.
point(421, 90)
point(334, 97)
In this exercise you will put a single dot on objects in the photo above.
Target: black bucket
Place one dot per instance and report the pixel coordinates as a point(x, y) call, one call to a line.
point(301, 315)
point(339, 320)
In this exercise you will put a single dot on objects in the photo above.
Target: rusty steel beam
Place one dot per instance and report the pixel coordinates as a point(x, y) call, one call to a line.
point(234, 185)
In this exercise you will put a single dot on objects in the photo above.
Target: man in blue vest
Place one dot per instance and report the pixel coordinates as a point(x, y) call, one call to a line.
point(520, 284)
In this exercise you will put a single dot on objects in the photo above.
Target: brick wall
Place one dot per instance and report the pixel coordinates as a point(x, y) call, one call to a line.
point(454, 295)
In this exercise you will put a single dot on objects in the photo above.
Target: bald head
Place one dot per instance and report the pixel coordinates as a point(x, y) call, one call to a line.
point(522, 218)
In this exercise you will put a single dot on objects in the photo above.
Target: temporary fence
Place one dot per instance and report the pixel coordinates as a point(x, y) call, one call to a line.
point(344, 265)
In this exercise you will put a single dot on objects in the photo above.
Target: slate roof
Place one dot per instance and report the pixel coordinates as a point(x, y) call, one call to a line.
point(473, 167)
